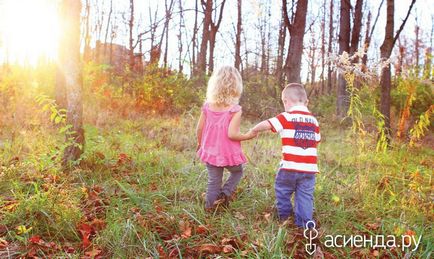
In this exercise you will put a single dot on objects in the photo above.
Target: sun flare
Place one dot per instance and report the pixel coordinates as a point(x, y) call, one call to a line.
point(28, 30)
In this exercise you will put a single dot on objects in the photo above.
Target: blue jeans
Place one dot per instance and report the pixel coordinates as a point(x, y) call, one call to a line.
point(303, 185)
point(215, 179)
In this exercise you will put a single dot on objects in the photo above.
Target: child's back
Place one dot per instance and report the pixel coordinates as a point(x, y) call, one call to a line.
point(216, 148)
point(300, 135)
point(218, 135)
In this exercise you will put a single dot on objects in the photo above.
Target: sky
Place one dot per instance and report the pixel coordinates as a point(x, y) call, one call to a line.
point(34, 26)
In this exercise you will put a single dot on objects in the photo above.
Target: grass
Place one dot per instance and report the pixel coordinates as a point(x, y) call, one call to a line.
point(140, 188)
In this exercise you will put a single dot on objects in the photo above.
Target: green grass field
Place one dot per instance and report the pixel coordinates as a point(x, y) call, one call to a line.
point(138, 192)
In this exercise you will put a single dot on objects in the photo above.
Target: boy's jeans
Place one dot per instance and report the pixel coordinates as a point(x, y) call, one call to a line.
point(303, 185)
point(215, 178)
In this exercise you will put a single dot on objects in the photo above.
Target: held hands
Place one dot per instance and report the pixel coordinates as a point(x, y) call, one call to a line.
point(251, 134)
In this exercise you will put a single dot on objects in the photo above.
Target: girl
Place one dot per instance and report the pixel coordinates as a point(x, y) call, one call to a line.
point(218, 135)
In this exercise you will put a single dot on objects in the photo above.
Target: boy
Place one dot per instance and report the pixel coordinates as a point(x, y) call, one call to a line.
point(299, 131)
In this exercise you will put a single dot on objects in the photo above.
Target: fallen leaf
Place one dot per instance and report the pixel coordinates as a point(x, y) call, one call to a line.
point(85, 231)
point(407, 236)
point(373, 226)
point(36, 240)
point(98, 224)
point(239, 216)
point(23, 229)
point(161, 251)
point(267, 217)
point(227, 249)
point(209, 249)
point(3, 243)
point(93, 253)
point(69, 249)
point(375, 253)
point(185, 228)
point(201, 229)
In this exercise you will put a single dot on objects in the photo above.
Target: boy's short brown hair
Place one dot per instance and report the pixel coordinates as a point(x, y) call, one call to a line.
point(295, 92)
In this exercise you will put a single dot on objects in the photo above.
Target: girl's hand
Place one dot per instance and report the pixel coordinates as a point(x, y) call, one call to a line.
point(251, 134)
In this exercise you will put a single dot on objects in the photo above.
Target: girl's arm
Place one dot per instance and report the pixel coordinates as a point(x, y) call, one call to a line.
point(262, 126)
point(199, 129)
point(234, 129)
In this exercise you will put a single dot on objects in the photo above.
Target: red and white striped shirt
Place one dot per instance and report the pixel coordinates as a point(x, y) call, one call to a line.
point(300, 135)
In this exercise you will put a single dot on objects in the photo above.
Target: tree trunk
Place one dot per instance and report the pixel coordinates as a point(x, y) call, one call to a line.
point(214, 27)
point(201, 59)
point(416, 49)
point(368, 38)
point(238, 37)
point(180, 45)
point(131, 40)
point(280, 53)
point(295, 49)
point(69, 60)
point(193, 59)
point(366, 43)
point(86, 51)
point(107, 29)
point(330, 49)
point(323, 48)
point(342, 101)
point(385, 52)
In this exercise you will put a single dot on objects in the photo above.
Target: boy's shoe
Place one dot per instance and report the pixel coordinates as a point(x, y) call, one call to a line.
point(222, 200)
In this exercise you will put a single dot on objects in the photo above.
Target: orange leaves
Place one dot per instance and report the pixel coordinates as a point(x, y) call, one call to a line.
point(94, 253)
point(209, 249)
point(123, 159)
point(185, 227)
point(201, 229)
point(85, 231)
point(93, 220)
point(408, 235)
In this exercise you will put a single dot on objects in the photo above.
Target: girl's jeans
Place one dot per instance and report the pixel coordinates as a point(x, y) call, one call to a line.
point(303, 185)
point(215, 178)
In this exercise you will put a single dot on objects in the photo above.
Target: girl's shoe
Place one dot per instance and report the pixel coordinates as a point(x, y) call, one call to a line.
point(222, 200)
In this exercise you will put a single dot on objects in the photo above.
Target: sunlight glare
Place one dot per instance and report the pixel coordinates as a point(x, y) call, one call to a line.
point(30, 30)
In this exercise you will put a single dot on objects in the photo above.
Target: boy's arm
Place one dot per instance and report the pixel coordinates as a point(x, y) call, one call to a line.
point(234, 129)
point(262, 126)
point(199, 129)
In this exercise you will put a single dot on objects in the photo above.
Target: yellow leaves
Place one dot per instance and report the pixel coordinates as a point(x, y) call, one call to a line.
point(23, 230)
point(335, 198)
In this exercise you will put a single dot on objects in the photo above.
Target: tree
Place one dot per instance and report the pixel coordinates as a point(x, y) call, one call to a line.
point(238, 37)
point(86, 50)
point(323, 47)
point(194, 39)
point(385, 52)
point(214, 27)
point(107, 28)
point(280, 53)
point(180, 45)
point(131, 40)
point(368, 36)
point(201, 58)
point(69, 62)
point(296, 32)
point(330, 48)
point(342, 101)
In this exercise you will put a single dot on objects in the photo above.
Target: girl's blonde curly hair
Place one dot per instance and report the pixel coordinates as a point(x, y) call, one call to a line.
point(225, 86)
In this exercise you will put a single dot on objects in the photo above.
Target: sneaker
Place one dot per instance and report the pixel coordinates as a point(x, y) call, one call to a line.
point(222, 200)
